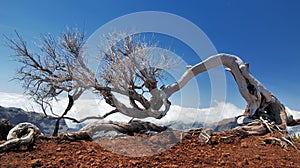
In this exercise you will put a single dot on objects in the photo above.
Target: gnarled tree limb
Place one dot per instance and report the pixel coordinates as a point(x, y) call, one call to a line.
point(23, 134)
point(131, 128)
point(261, 102)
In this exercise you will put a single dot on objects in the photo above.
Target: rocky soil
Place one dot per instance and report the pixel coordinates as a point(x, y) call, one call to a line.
point(164, 150)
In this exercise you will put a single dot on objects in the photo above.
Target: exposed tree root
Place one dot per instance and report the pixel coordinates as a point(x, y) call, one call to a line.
point(22, 135)
point(255, 127)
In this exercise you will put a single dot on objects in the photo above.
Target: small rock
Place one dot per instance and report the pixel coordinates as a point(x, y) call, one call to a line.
point(226, 154)
point(49, 164)
point(58, 150)
point(95, 164)
point(91, 151)
point(244, 145)
point(61, 160)
point(222, 163)
point(80, 157)
point(239, 164)
point(133, 162)
point(36, 163)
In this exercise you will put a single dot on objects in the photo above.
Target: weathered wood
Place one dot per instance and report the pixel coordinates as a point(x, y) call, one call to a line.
point(131, 128)
point(22, 135)
point(263, 108)
point(260, 101)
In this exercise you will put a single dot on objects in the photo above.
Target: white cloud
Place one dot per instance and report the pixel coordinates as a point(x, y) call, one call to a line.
point(216, 112)
point(16, 100)
point(296, 114)
point(86, 106)
point(89, 105)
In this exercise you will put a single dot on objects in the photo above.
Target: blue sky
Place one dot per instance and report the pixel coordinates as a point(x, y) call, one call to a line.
point(264, 33)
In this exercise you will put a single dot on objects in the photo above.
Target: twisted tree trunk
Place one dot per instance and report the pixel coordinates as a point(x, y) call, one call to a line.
point(261, 102)
point(262, 105)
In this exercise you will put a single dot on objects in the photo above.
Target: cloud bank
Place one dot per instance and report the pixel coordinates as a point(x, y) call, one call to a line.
point(92, 106)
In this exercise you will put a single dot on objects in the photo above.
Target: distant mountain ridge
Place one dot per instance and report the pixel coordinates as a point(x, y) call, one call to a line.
point(18, 115)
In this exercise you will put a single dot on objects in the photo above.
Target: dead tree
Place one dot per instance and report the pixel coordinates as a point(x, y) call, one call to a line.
point(264, 109)
point(261, 103)
point(129, 67)
point(57, 70)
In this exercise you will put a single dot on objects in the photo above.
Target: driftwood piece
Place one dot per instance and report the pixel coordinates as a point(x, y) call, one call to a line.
point(22, 135)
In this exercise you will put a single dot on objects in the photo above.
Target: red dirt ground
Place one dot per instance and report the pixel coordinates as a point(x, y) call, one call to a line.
point(190, 152)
